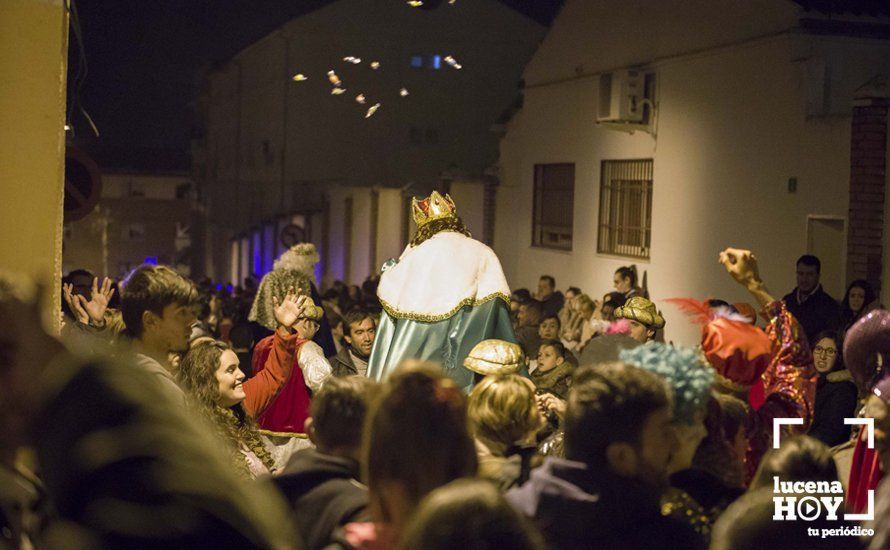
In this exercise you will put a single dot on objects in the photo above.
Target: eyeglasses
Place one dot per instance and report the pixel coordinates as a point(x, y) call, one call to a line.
point(829, 352)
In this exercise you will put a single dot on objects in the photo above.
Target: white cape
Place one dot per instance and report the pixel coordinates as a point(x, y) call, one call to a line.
point(433, 280)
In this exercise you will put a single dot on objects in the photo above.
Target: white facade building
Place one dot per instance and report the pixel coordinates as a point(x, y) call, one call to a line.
point(750, 142)
point(276, 152)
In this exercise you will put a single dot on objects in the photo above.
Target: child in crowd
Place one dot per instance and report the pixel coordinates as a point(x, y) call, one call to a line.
point(553, 373)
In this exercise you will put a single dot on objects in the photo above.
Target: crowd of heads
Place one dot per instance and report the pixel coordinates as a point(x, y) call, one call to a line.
point(589, 399)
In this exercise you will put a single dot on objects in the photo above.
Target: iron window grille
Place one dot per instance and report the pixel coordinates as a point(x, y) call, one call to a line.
point(625, 217)
point(554, 198)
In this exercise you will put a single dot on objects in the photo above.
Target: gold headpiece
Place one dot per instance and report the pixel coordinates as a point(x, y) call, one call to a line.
point(494, 357)
point(311, 311)
point(642, 310)
point(434, 207)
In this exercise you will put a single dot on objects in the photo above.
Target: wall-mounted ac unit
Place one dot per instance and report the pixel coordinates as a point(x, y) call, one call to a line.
point(621, 97)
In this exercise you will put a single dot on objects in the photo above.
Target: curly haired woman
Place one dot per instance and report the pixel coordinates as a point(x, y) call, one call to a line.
point(210, 375)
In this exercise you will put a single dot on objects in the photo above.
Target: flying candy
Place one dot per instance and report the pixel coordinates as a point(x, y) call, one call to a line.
point(403, 92)
point(371, 110)
point(299, 77)
point(360, 98)
point(335, 80)
point(453, 62)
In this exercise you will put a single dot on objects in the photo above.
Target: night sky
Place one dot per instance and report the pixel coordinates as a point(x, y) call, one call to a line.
point(144, 60)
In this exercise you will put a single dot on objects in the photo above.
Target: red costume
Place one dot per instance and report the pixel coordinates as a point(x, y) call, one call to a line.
point(778, 359)
point(287, 413)
point(278, 359)
point(789, 383)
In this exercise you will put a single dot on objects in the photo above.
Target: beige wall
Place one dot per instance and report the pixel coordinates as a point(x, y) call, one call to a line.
point(732, 127)
point(469, 197)
point(362, 238)
point(33, 57)
point(390, 223)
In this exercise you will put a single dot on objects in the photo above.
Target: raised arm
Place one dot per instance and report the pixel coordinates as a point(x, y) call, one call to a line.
point(789, 380)
point(277, 358)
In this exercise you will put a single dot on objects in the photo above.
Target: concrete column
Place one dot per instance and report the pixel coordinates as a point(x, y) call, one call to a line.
point(390, 223)
point(33, 60)
point(868, 182)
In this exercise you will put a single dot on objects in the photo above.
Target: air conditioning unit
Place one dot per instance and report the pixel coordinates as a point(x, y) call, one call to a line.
point(621, 96)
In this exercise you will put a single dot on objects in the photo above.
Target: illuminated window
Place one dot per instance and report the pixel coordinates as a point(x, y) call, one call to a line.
point(625, 221)
point(552, 220)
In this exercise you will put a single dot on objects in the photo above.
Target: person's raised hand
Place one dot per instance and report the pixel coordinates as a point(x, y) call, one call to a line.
point(74, 304)
point(288, 309)
point(96, 306)
point(742, 265)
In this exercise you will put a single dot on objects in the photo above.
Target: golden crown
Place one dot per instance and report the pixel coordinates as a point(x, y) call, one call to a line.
point(434, 207)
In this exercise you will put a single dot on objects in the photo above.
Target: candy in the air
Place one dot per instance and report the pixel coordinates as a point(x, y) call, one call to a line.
point(453, 62)
point(371, 110)
point(360, 98)
point(375, 65)
point(415, 3)
point(335, 80)
point(299, 77)
point(353, 60)
point(403, 92)
point(337, 91)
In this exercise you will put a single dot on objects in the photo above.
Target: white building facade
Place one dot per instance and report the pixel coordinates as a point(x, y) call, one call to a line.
point(748, 145)
point(275, 152)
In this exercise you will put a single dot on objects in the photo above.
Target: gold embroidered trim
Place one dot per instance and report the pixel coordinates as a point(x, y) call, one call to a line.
point(426, 318)
point(284, 434)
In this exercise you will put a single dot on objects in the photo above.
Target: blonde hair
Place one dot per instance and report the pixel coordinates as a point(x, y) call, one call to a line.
point(502, 411)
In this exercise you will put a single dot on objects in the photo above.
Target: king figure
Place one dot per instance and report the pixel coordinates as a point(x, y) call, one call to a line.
point(445, 294)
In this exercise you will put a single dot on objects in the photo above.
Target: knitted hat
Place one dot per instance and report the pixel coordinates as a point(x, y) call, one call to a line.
point(494, 357)
point(867, 338)
point(641, 310)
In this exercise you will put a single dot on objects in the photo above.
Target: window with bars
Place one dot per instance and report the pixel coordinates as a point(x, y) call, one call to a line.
point(625, 220)
point(552, 219)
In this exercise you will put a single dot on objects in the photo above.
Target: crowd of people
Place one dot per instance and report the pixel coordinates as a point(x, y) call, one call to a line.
point(171, 413)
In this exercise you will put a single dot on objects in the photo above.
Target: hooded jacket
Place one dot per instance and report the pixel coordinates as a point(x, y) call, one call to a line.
point(576, 509)
point(324, 493)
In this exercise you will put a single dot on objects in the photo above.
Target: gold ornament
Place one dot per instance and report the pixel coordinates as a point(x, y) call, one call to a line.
point(434, 207)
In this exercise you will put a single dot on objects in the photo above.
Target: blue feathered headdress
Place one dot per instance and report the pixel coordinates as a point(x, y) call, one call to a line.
point(689, 377)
